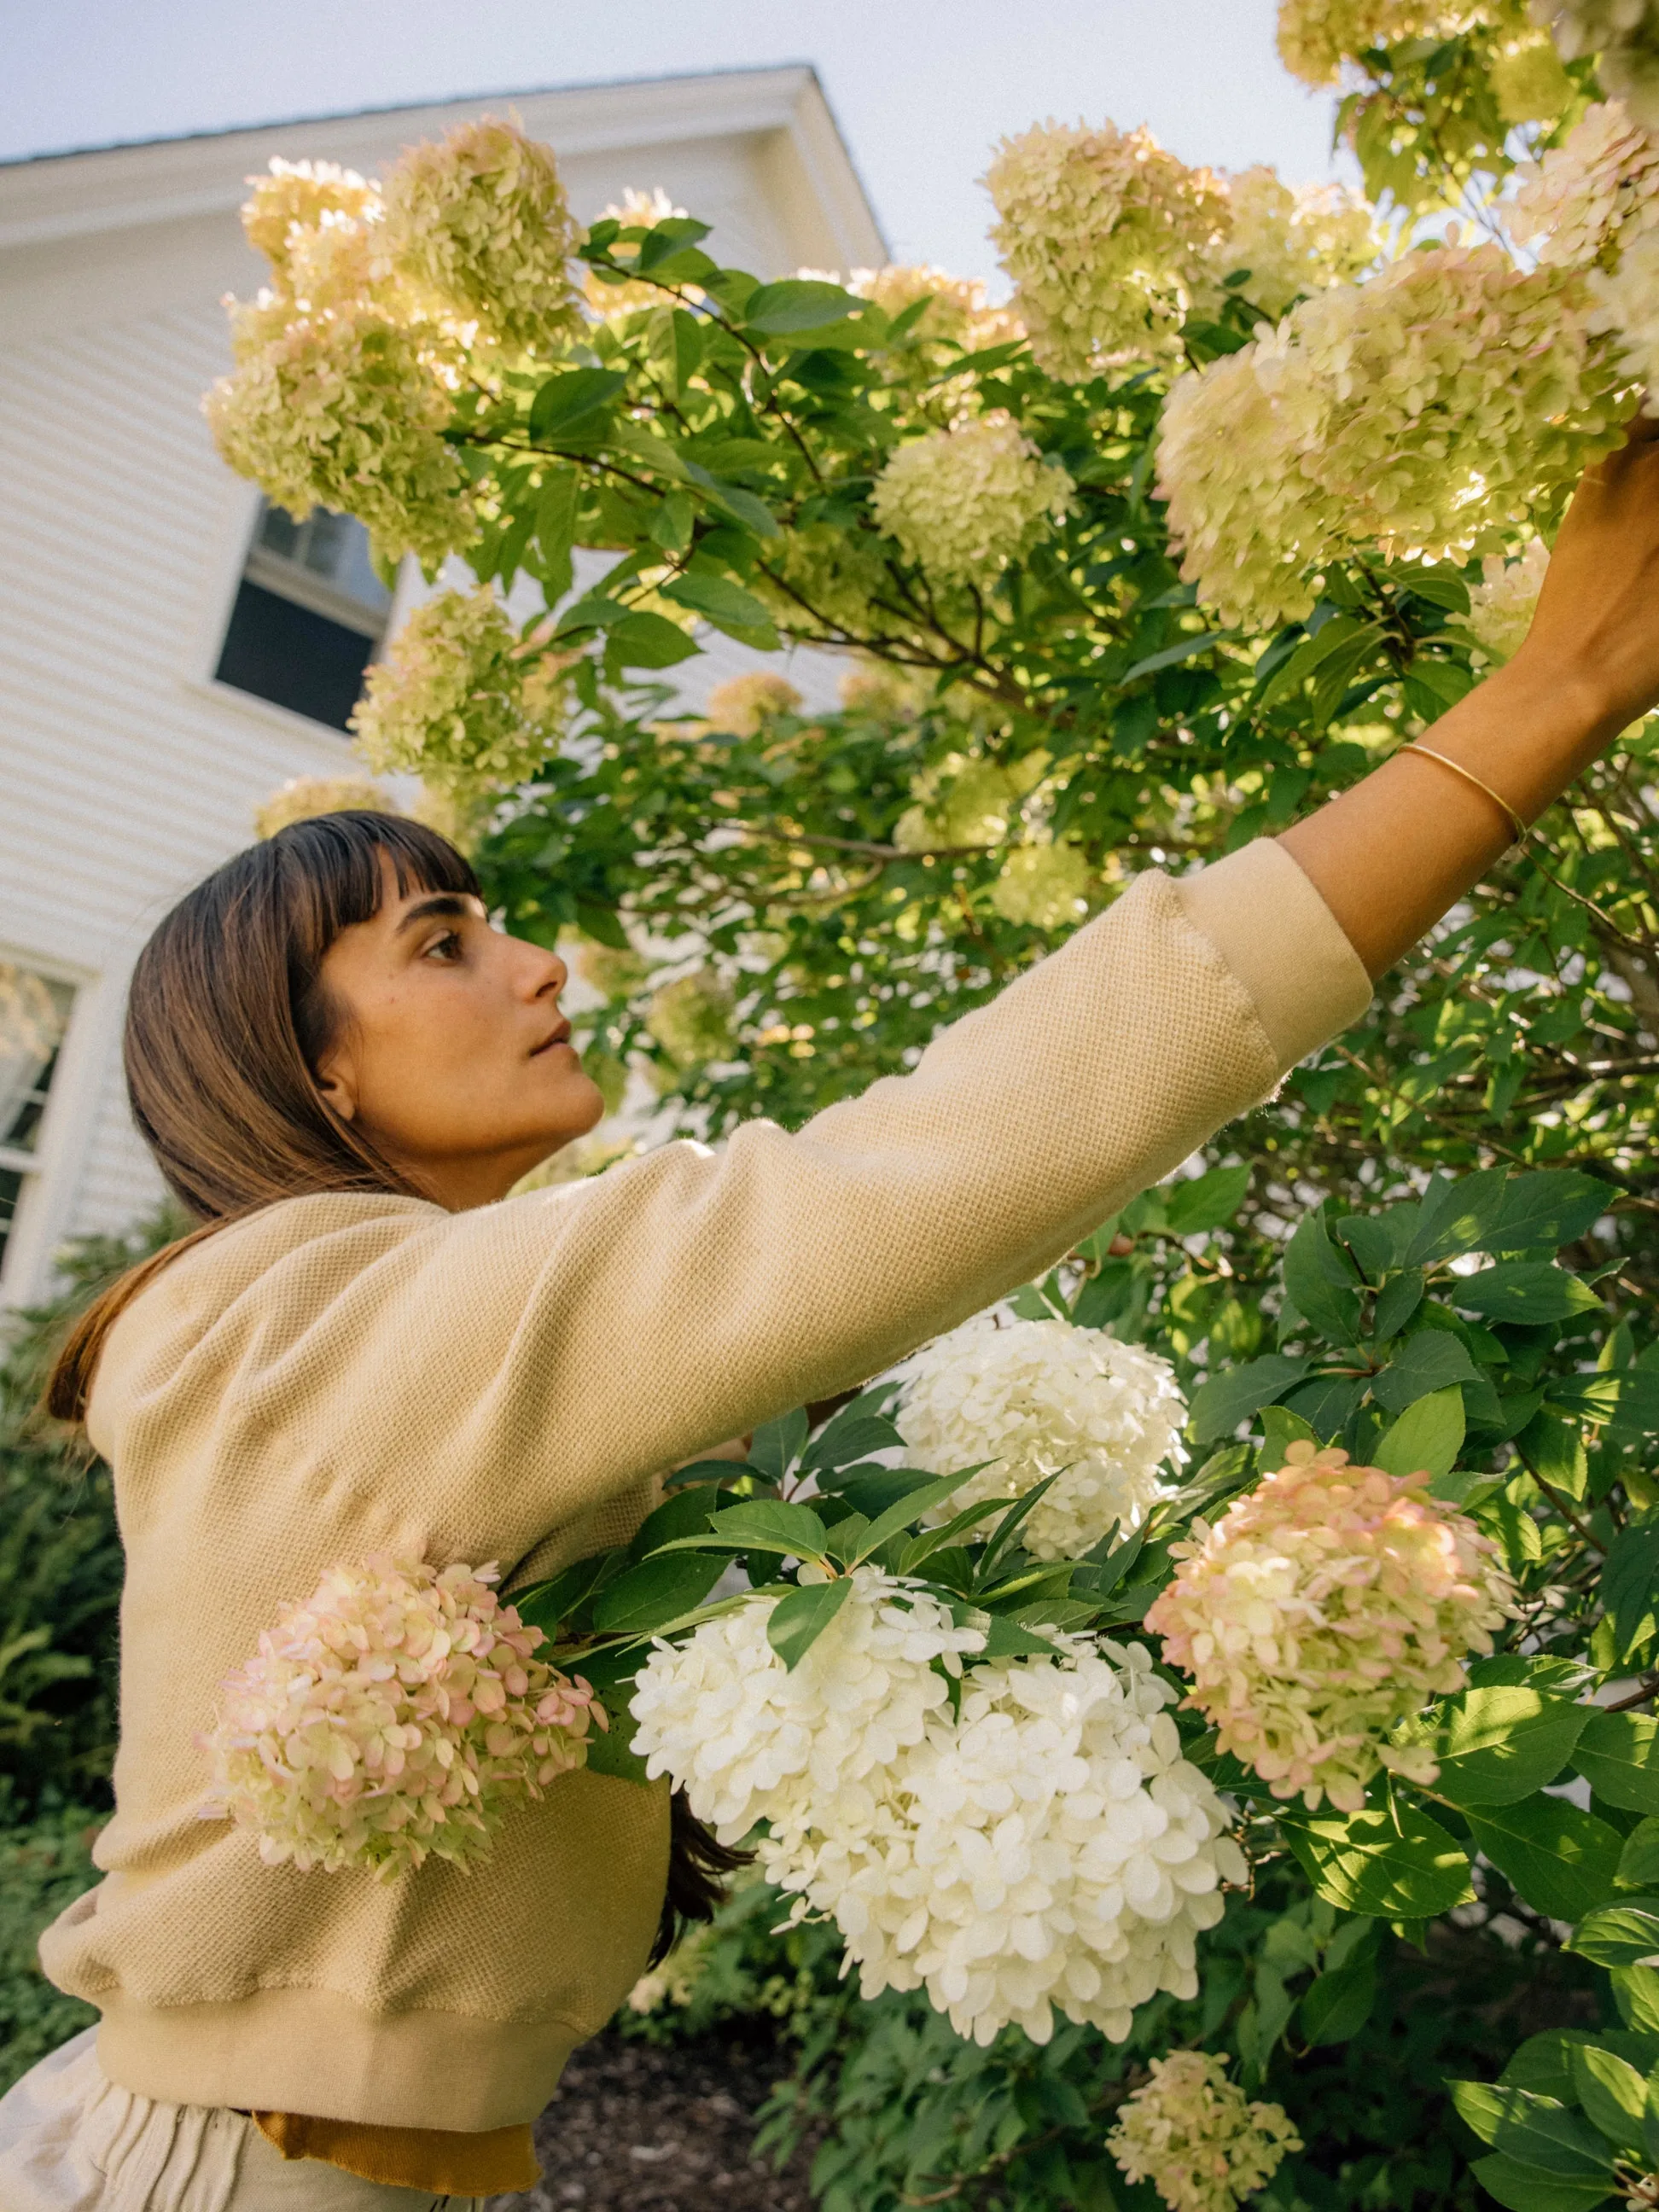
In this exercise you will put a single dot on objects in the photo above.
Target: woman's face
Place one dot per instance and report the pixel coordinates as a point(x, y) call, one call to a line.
point(453, 1054)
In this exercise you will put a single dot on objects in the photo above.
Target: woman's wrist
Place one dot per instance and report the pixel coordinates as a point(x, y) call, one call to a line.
point(1531, 728)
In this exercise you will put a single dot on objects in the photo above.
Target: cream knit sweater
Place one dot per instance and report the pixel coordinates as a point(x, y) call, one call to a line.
point(343, 1375)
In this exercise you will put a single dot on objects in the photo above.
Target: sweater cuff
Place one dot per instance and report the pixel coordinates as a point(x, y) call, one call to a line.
point(1283, 944)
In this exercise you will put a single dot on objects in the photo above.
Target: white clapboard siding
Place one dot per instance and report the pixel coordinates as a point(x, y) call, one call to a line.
point(126, 773)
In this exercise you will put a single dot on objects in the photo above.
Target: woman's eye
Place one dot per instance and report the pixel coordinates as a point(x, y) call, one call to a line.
point(446, 947)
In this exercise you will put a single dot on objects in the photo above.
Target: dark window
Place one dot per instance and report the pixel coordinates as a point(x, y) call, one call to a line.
point(310, 613)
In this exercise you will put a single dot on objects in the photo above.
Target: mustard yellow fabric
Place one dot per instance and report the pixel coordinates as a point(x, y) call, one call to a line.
point(450, 2165)
point(342, 1374)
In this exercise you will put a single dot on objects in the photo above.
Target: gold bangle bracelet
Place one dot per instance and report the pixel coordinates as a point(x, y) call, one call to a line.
point(1517, 827)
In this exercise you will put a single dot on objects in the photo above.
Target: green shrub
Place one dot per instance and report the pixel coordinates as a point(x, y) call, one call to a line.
point(43, 1866)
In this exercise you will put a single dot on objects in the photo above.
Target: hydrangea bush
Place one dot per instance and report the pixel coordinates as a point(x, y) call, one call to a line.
point(1241, 487)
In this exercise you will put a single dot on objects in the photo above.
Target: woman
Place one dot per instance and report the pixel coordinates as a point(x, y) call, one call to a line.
point(343, 1069)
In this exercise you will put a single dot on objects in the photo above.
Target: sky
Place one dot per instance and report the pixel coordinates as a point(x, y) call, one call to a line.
point(922, 88)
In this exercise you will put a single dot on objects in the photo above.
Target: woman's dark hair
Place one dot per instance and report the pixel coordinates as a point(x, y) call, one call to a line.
point(228, 1024)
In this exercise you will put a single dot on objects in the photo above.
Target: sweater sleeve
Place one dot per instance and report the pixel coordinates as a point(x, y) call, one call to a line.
point(552, 1349)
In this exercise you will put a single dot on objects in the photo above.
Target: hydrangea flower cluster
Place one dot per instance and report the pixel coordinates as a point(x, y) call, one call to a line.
point(1037, 1398)
point(1593, 203)
point(461, 699)
point(1326, 1605)
point(1429, 411)
point(884, 692)
point(749, 1740)
point(1044, 886)
point(1291, 242)
point(1047, 1848)
point(1528, 80)
point(957, 312)
point(479, 222)
point(964, 800)
point(345, 407)
point(1502, 605)
point(1194, 2135)
point(744, 705)
point(1099, 230)
point(691, 1018)
point(1623, 35)
point(303, 798)
point(399, 1714)
point(964, 502)
point(1315, 37)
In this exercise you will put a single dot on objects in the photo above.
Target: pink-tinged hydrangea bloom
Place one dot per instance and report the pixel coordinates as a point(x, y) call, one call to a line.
point(479, 224)
point(1326, 1605)
point(743, 704)
point(1102, 231)
point(1193, 2135)
point(460, 698)
point(964, 502)
point(1593, 205)
point(400, 1713)
point(1036, 1398)
point(1430, 411)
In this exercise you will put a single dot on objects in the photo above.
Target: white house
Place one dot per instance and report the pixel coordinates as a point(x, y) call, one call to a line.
point(170, 651)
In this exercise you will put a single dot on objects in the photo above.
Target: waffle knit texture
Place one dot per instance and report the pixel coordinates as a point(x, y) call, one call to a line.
point(346, 1374)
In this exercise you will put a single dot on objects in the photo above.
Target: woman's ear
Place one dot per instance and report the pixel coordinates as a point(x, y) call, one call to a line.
point(334, 1080)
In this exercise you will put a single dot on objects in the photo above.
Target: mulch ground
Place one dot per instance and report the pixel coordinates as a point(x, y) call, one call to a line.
point(639, 2128)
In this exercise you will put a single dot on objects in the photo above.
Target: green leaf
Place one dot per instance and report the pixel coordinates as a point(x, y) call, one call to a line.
point(1613, 2095)
point(1319, 1279)
point(1550, 1208)
point(655, 1592)
point(778, 1444)
point(1427, 1437)
point(1618, 1755)
point(1628, 1580)
point(1387, 1867)
point(855, 1434)
point(1007, 1639)
point(1219, 1405)
point(796, 1622)
point(728, 605)
point(1619, 1935)
point(915, 1507)
point(1636, 1993)
point(1638, 1862)
point(1396, 1302)
point(1480, 2106)
point(1544, 2061)
point(1186, 648)
point(1205, 1201)
point(1280, 1429)
point(1528, 1291)
point(761, 1524)
point(570, 397)
point(556, 529)
point(1547, 2135)
point(1524, 2189)
point(1563, 1861)
point(1456, 1216)
point(1497, 1746)
point(1336, 2004)
point(797, 304)
point(644, 640)
point(1431, 1360)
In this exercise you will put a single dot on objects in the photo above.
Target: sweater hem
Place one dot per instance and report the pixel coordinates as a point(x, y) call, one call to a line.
point(313, 2052)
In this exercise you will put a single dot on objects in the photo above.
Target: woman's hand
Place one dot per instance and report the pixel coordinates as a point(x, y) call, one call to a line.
point(1597, 623)
point(1390, 856)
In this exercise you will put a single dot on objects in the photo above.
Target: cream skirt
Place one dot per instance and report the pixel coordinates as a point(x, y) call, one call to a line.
point(70, 2141)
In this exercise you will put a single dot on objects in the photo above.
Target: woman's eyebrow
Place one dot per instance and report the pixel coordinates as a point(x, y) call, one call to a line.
point(440, 902)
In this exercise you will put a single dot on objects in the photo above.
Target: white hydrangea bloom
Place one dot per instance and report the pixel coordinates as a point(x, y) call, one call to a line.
point(964, 502)
point(1293, 242)
point(749, 1740)
point(1316, 37)
point(1049, 1850)
point(1036, 1398)
point(1623, 35)
point(1601, 182)
point(1502, 605)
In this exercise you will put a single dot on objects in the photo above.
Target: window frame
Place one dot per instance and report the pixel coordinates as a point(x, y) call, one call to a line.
point(42, 1169)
